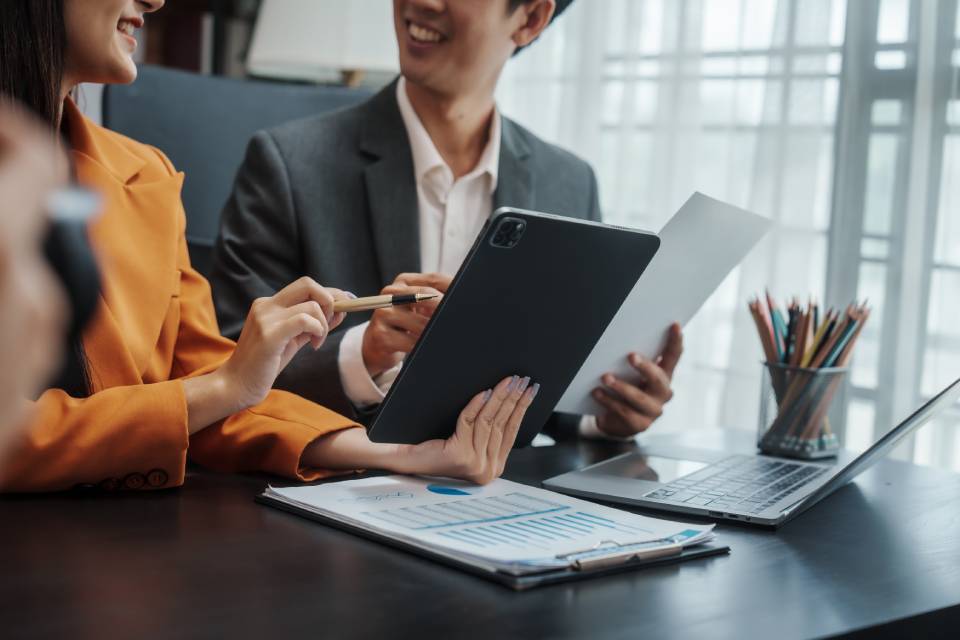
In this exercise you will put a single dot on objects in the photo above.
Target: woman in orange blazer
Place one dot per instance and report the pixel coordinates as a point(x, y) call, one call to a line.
point(158, 380)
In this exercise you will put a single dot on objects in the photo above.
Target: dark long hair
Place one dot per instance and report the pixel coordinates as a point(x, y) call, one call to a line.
point(33, 43)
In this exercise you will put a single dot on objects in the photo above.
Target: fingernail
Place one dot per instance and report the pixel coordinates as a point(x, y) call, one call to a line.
point(352, 296)
point(513, 383)
point(487, 394)
point(597, 393)
point(523, 385)
point(608, 379)
point(534, 390)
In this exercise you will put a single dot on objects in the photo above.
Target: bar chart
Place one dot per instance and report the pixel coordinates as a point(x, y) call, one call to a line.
point(513, 519)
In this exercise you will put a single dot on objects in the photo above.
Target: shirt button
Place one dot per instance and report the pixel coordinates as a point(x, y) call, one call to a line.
point(134, 481)
point(157, 478)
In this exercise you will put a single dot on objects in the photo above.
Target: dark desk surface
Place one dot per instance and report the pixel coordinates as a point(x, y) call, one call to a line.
point(205, 561)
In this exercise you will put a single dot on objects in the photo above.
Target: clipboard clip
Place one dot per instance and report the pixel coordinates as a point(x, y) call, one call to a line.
point(608, 553)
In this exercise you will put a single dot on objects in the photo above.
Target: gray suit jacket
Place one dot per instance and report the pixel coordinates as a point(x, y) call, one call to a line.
point(334, 197)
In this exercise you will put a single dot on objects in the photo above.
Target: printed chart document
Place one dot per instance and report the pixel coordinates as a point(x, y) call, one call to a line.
point(699, 247)
point(502, 526)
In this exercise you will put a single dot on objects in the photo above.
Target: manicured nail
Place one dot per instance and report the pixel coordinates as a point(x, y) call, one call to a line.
point(608, 379)
point(534, 390)
point(523, 385)
point(513, 383)
point(487, 394)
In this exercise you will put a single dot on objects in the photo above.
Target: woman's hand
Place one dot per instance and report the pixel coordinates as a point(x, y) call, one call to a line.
point(477, 451)
point(275, 330)
point(486, 431)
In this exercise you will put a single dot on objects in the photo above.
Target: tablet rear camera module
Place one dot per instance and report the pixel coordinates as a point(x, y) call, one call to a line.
point(508, 233)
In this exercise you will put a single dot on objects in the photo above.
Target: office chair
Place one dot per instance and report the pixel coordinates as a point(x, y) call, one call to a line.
point(203, 123)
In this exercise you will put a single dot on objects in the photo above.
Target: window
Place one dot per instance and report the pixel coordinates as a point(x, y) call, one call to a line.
point(804, 111)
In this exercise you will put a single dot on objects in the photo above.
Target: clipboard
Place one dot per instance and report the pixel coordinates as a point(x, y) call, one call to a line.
point(590, 563)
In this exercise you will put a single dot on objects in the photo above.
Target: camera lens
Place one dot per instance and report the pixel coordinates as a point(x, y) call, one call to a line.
point(508, 233)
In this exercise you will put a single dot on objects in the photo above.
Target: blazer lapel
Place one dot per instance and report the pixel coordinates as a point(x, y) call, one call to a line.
point(514, 179)
point(391, 187)
point(135, 237)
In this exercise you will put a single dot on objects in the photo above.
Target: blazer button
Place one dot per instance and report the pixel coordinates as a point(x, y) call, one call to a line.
point(134, 481)
point(110, 484)
point(157, 478)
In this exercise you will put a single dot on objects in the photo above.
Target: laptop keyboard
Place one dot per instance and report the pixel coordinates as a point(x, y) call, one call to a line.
point(739, 484)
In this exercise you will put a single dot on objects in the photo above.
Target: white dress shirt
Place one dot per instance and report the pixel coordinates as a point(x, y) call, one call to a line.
point(452, 211)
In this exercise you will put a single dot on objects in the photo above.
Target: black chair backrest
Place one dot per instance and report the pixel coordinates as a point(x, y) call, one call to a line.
point(203, 123)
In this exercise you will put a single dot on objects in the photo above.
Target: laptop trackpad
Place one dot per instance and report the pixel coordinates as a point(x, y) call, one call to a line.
point(640, 466)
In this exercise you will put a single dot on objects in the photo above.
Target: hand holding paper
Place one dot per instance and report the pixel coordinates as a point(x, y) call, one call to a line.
point(699, 247)
point(633, 404)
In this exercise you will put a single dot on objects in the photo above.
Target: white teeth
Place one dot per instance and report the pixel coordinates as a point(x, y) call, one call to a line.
point(423, 34)
point(126, 28)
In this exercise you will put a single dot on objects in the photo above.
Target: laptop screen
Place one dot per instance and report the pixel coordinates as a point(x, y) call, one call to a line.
point(862, 462)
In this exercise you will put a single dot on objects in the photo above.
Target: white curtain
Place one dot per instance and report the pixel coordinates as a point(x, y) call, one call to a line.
point(759, 102)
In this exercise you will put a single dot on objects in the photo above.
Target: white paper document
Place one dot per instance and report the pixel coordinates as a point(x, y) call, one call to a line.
point(699, 247)
point(503, 526)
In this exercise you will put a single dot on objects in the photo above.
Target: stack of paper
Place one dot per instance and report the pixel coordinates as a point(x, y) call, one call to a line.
point(503, 526)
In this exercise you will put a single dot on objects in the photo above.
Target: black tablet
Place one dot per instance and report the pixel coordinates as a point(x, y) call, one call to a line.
point(532, 298)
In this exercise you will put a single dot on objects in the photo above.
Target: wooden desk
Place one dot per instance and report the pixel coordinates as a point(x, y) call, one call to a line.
point(205, 561)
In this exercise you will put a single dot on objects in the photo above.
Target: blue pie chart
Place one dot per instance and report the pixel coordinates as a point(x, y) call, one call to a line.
point(447, 491)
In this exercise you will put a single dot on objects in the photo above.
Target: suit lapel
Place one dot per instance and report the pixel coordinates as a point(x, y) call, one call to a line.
point(391, 187)
point(514, 179)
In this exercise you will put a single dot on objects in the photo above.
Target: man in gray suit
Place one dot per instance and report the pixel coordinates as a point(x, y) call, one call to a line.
point(394, 191)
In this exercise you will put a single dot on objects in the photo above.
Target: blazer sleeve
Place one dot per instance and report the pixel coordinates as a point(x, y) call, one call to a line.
point(118, 437)
point(257, 254)
point(269, 437)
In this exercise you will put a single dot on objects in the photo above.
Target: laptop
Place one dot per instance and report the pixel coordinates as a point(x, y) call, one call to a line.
point(756, 489)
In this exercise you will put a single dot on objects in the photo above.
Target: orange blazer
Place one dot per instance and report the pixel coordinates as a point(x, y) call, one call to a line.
point(155, 326)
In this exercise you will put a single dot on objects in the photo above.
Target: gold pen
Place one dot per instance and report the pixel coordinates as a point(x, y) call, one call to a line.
point(379, 302)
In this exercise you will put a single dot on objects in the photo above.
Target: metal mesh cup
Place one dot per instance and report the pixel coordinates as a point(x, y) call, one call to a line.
point(794, 407)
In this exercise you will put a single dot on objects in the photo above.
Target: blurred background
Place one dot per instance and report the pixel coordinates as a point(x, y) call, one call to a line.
point(839, 119)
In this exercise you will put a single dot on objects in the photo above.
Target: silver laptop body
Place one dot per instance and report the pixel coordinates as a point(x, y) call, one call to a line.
point(757, 489)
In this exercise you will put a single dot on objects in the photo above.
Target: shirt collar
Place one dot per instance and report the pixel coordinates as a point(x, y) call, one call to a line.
point(426, 158)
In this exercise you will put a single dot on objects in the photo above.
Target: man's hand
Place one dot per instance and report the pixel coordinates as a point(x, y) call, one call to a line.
point(394, 331)
point(632, 406)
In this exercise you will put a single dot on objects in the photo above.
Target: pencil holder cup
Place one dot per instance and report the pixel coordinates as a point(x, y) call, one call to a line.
point(794, 407)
